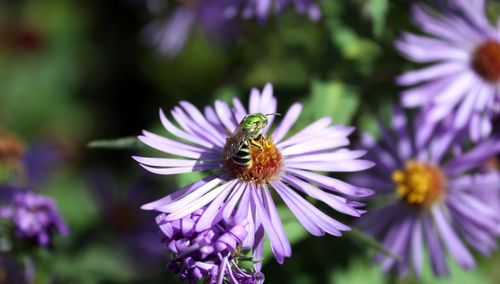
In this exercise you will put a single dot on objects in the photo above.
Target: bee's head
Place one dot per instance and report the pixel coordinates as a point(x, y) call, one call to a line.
point(255, 122)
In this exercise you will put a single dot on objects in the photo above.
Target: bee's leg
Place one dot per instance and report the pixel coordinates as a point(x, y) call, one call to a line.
point(254, 143)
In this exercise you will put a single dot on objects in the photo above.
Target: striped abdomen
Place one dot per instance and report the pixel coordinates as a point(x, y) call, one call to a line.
point(243, 158)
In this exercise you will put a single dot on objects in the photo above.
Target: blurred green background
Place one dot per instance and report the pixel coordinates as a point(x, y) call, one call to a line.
point(72, 72)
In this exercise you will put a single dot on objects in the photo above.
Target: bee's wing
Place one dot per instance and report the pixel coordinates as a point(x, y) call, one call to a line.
point(234, 143)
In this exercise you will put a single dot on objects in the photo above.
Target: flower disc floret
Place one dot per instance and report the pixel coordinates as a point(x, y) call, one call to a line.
point(266, 163)
point(419, 183)
point(486, 61)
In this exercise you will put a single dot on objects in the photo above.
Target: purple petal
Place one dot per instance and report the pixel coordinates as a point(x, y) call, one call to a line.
point(180, 170)
point(417, 248)
point(254, 106)
point(337, 155)
point(165, 162)
point(322, 220)
point(315, 145)
point(473, 158)
point(451, 240)
point(199, 118)
point(338, 166)
point(331, 183)
point(287, 122)
point(338, 203)
point(299, 212)
point(181, 134)
point(189, 197)
point(225, 115)
point(207, 219)
point(178, 194)
point(398, 241)
point(430, 73)
point(239, 109)
point(182, 211)
point(303, 135)
point(438, 258)
point(273, 230)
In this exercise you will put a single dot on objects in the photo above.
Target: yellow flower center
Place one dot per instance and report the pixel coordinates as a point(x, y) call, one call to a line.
point(486, 61)
point(265, 165)
point(419, 183)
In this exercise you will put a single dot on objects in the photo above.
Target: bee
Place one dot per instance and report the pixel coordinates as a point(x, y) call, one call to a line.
point(238, 143)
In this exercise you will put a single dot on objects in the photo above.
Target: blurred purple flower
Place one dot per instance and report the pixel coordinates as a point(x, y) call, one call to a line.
point(33, 217)
point(169, 35)
point(463, 76)
point(434, 196)
point(40, 160)
point(210, 253)
point(220, 19)
point(13, 271)
point(286, 165)
point(116, 203)
point(262, 9)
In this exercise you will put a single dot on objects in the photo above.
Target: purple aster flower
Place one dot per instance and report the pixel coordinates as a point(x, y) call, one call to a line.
point(114, 199)
point(33, 217)
point(220, 19)
point(434, 196)
point(40, 160)
point(462, 78)
point(216, 18)
point(210, 253)
point(288, 166)
point(262, 9)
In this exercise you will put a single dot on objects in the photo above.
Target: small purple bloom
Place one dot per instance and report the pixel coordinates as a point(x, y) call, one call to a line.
point(462, 76)
point(33, 217)
point(170, 34)
point(262, 9)
point(217, 18)
point(288, 166)
point(434, 197)
point(210, 253)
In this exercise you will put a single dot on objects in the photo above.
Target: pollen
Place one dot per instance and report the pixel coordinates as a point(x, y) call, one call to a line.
point(419, 183)
point(486, 61)
point(266, 163)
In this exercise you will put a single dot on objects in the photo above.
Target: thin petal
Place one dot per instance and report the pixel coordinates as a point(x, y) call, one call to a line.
point(178, 194)
point(332, 183)
point(287, 122)
point(451, 240)
point(189, 197)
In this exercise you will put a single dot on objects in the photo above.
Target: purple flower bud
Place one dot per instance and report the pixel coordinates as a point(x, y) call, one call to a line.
point(34, 217)
point(207, 253)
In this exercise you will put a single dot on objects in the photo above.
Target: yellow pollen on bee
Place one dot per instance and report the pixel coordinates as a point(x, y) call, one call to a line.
point(419, 183)
point(266, 163)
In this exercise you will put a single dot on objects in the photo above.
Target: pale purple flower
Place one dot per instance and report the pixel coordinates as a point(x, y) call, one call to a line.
point(288, 166)
point(262, 9)
point(433, 197)
point(207, 254)
point(170, 34)
point(34, 217)
point(462, 73)
point(219, 19)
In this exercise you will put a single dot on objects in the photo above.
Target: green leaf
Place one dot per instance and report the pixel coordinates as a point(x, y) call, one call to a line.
point(359, 271)
point(94, 264)
point(334, 99)
point(377, 11)
point(368, 241)
point(119, 143)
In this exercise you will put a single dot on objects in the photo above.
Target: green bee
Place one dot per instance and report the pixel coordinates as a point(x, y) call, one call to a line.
point(248, 131)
